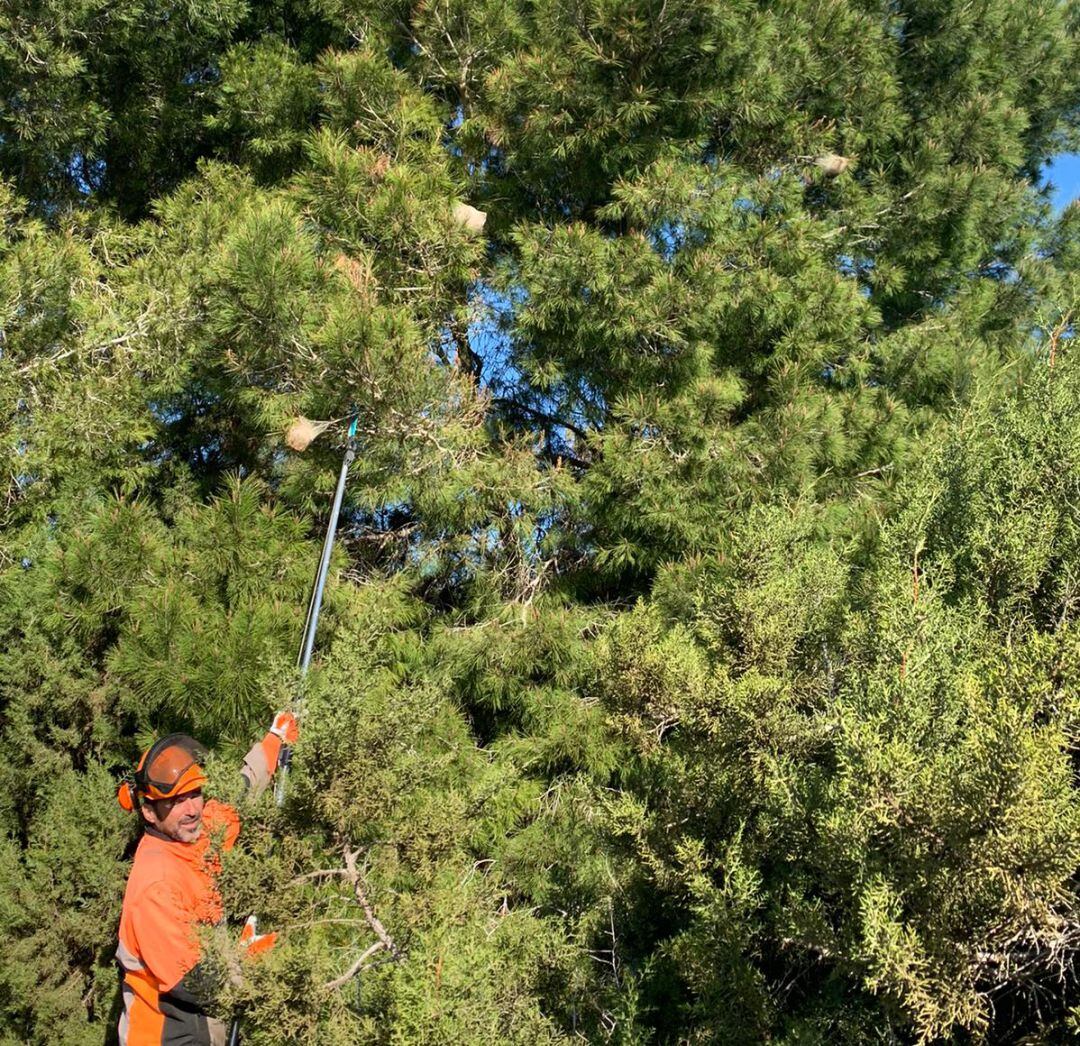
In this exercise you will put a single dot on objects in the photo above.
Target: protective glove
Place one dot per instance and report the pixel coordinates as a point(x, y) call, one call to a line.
point(285, 727)
point(254, 943)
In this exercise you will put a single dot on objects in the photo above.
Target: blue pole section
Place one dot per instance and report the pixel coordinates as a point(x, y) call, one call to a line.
point(312, 623)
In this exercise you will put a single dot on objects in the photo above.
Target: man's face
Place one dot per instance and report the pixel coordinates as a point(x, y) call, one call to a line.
point(179, 817)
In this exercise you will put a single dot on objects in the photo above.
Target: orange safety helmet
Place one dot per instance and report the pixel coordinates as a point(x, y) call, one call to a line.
point(171, 766)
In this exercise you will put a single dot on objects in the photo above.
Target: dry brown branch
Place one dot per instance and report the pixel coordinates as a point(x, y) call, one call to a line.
point(307, 924)
point(352, 873)
point(358, 271)
point(357, 967)
point(319, 873)
point(369, 912)
point(1056, 334)
point(1015, 963)
point(87, 350)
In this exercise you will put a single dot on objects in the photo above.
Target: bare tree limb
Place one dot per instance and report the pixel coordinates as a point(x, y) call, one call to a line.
point(308, 923)
point(320, 873)
point(365, 904)
point(357, 967)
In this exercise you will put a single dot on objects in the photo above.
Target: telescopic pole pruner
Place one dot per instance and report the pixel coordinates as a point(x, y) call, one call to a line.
point(311, 624)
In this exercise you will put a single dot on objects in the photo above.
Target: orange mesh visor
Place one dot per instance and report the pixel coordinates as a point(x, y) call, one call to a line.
point(171, 766)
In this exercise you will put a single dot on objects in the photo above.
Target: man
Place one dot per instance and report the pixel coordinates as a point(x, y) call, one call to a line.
point(172, 888)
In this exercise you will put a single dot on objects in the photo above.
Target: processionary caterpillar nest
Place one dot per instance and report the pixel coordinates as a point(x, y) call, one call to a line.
point(469, 217)
point(302, 431)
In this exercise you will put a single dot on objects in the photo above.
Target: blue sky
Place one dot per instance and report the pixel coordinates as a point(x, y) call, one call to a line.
point(1064, 174)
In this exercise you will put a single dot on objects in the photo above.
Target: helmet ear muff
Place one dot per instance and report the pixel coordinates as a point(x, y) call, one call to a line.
point(128, 794)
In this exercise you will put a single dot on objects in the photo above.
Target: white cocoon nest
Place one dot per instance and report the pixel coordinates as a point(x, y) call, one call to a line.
point(302, 431)
point(469, 217)
point(833, 163)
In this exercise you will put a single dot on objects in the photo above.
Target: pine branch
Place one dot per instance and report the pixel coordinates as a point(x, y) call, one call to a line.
point(540, 415)
point(1060, 329)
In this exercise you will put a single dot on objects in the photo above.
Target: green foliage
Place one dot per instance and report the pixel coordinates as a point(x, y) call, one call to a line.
point(62, 886)
point(700, 655)
point(268, 97)
point(874, 777)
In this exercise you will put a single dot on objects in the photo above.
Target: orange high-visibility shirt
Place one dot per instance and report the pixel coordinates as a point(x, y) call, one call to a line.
point(171, 891)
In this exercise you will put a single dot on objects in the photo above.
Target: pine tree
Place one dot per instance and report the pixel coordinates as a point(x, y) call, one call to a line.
point(699, 656)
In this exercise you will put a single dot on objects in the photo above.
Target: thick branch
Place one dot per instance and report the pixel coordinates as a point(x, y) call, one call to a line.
point(539, 415)
point(365, 904)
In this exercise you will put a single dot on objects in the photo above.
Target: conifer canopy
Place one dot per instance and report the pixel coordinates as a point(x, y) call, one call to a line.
point(700, 661)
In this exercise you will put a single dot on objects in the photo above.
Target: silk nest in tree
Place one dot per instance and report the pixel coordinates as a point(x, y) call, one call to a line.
point(303, 431)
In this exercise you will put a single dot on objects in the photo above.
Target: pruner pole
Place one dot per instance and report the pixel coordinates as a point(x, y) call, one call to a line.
point(311, 624)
